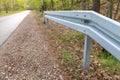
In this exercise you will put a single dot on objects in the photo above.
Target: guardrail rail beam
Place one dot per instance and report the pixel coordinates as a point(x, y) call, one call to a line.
point(103, 30)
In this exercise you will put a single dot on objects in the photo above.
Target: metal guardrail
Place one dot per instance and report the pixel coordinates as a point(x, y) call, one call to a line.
point(95, 26)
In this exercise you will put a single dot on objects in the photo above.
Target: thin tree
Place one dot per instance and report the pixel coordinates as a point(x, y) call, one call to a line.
point(83, 4)
point(62, 3)
point(52, 5)
point(72, 2)
point(96, 5)
point(43, 5)
point(117, 8)
point(110, 8)
point(0, 6)
point(5, 5)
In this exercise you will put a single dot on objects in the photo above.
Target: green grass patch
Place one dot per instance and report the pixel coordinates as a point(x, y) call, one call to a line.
point(69, 61)
point(67, 57)
point(109, 62)
point(3, 13)
point(38, 14)
point(72, 38)
point(72, 35)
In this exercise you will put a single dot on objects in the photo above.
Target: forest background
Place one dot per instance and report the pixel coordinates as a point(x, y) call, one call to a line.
point(109, 8)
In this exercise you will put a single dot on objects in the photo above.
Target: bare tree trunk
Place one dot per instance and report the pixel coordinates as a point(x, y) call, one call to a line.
point(6, 8)
point(52, 5)
point(0, 10)
point(67, 4)
point(10, 4)
point(43, 5)
point(63, 3)
point(96, 5)
point(116, 12)
point(83, 4)
point(72, 2)
point(0, 6)
point(110, 8)
point(88, 4)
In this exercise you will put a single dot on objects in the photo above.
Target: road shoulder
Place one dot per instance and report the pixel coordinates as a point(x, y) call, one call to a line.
point(25, 54)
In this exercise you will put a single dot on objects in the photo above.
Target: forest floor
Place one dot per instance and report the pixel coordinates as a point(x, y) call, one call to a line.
point(26, 55)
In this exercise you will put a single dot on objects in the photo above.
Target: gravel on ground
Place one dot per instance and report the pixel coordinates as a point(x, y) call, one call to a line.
point(26, 55)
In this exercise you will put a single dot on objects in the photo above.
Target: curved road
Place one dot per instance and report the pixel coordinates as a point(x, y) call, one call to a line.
point(9, 23)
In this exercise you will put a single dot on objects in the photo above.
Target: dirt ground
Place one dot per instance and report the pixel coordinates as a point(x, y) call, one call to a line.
point(26, 55)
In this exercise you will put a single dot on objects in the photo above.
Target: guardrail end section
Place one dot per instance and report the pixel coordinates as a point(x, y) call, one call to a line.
point(45, 21)
point(87, 51)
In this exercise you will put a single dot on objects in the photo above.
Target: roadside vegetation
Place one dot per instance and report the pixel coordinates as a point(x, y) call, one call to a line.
point(109, 62)
point(8, 7)
point(3, 13)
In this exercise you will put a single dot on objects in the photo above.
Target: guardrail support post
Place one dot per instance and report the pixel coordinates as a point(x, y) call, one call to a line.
point(87, 51)
point(46, 22)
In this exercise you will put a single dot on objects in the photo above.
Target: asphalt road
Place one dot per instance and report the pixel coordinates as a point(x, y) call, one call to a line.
point(9, 23)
